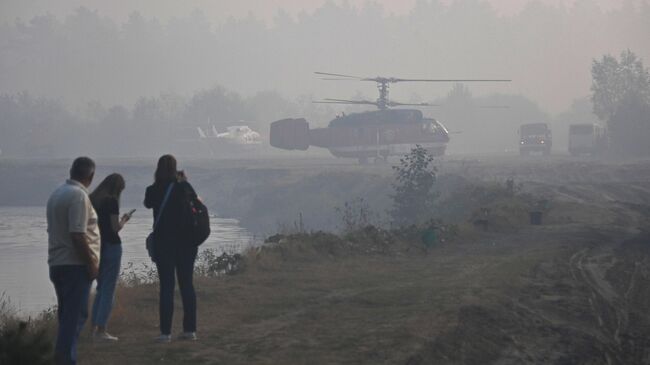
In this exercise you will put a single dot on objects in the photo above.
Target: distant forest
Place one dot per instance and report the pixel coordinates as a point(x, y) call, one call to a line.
point(83, 82)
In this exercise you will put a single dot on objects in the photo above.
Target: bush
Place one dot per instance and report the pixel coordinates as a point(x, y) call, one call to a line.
point(413, 201)
point(27, 342)
point(208, 264)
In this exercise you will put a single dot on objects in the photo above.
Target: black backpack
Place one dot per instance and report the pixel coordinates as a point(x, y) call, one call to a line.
point(197, 218)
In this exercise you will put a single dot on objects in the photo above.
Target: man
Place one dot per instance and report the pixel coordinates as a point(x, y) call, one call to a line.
point(73, 254)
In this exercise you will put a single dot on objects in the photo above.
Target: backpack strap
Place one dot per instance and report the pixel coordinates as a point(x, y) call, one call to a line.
point(162, 206)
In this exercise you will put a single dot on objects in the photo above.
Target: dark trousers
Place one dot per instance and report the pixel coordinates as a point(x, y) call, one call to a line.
point(72, 286)
point(177, 261)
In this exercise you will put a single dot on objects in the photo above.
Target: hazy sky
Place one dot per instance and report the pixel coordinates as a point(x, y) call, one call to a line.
point(456, 50)
point(222, 9)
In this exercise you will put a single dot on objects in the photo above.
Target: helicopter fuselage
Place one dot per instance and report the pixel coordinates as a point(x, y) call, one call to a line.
point(374, 134)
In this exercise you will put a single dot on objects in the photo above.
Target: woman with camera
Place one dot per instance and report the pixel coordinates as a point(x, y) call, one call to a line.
point(172, 250)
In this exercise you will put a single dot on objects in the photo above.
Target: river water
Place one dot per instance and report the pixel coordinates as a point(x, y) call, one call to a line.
point(24, 277)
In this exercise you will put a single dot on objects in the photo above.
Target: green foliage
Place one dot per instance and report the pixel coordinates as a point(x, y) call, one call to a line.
point(209, 263)
point(134, 275)
point(27, 342)
point(24, 342)
point(621, 97)
point(616, 83)
point(414, 197)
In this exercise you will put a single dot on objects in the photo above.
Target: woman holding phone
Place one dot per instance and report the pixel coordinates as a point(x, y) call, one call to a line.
point(106, 201)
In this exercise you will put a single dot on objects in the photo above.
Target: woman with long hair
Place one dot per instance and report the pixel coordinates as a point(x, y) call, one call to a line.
point(173, 252)
point(106, 201)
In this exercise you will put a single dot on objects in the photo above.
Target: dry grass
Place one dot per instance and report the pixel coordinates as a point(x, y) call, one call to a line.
point(301, 303)
point(25, 340)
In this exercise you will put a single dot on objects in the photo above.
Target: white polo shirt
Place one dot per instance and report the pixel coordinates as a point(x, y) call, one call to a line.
point(69, 211)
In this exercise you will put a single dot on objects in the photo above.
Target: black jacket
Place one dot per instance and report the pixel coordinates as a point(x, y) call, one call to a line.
point(173, 226)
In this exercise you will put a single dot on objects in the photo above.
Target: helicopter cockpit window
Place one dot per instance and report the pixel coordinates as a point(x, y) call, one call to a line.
point(429, 127)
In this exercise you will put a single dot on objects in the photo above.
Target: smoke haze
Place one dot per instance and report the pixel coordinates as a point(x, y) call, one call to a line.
point(116, 52)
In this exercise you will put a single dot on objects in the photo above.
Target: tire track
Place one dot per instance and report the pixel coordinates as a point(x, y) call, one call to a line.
point(608, 307)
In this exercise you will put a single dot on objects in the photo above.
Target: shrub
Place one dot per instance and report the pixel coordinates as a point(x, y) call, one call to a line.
point(28, 341)
point(414, 197)
point(209, 264)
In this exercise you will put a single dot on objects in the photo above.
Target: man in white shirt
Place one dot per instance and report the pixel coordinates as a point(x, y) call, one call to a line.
point(73, 254)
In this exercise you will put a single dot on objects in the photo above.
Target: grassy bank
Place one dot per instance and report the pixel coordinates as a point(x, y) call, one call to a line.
point(541, 295)
point(561, 293)
point(491, 289)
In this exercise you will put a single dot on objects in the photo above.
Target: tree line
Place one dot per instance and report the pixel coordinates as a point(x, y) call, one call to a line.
point(78, 82)
point(87, 56)
point(621, 99)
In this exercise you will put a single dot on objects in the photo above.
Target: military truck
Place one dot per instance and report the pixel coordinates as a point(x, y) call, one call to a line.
point(535, 138)
point(586, 139)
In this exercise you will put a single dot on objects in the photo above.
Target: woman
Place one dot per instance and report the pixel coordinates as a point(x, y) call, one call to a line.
point(173, 253)
point(106, 201)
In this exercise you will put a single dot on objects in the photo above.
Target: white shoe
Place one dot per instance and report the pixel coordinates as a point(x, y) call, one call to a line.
point(188, 336)
point(163, 339)
point(103, 337)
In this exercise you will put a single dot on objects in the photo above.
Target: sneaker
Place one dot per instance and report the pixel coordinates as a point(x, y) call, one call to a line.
point(188, 336)
point(163, 339)
point(103, 337)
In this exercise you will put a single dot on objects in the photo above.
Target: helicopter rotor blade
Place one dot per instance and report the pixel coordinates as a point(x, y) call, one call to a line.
point(351, 101)
point(328, 102)
point(333, 79)
point(343, 101)
point(396, 79)
point(394, 103)
point(337, 75)
point(448, 80)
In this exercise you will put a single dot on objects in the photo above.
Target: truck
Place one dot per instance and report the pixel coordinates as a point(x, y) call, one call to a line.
point(534, 138)
point(585, 139)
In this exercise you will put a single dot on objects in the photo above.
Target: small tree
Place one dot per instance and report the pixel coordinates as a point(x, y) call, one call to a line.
point(414, 196)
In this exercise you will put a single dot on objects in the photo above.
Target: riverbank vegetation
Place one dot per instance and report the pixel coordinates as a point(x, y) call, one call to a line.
point(570, 290)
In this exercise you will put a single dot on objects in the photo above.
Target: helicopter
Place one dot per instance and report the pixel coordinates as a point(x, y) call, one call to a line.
point(370, 135)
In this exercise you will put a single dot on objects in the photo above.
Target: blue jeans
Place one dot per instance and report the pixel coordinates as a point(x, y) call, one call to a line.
point(72, 286)
point(109, 272)
point(177, 261)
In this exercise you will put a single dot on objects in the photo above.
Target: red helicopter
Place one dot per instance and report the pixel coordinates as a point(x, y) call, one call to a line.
point(372, 134)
